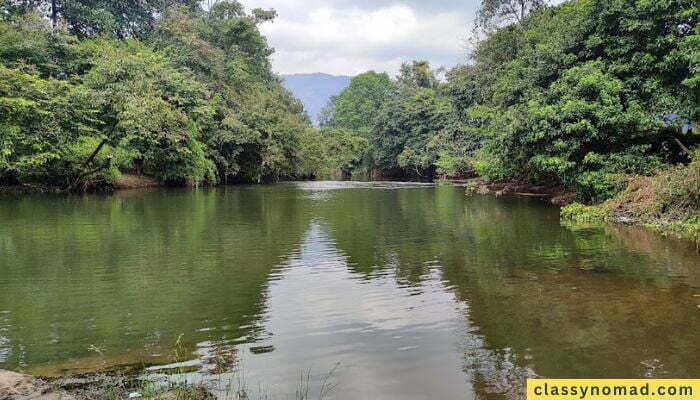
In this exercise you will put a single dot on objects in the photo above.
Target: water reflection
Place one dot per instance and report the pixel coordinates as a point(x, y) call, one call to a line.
point(128, 275)
point(568, 301)
point(381, 335)
point(414, 291)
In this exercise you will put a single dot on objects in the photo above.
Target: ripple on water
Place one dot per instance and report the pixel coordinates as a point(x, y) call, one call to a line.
point(420, 293)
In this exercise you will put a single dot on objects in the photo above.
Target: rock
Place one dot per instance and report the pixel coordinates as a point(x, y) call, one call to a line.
point(196, 393)
point(623, 220)
point(15, 386)
point(262, 349)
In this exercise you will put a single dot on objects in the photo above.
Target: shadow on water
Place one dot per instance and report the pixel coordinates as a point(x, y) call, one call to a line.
point(416, 290)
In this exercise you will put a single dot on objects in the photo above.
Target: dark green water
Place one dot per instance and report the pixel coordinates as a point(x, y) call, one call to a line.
point(416, 291)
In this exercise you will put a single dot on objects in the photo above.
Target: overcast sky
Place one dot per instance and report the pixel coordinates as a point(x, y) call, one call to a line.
point(346, 37)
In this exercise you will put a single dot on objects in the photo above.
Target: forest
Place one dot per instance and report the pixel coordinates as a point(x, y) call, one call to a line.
point(572, 95)
point(93, 89)
point(600, 99)
point(591, 96)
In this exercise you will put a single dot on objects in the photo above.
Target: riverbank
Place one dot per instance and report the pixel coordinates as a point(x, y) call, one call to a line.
point(682, 227)
point(668, 202)
point(138, 384)
point(16, 386)
point(556, 194)
point(125, 181)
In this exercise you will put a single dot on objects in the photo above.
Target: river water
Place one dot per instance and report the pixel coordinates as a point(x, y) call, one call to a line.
point(397, 291)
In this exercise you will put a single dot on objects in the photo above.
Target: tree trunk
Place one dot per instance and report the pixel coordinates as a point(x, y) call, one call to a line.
point(94, 153)
point(85, 174)
point(92, 157)
point(54, 13)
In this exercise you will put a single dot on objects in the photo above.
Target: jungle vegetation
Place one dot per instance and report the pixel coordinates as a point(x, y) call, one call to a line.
point(589, 96)
point(185, 94)
point(579, 95)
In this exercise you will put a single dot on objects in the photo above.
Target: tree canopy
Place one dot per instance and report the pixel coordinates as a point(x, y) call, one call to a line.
point(167, 89)
point(578, 95)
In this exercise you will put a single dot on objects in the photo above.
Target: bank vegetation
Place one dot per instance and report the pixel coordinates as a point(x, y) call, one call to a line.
point(597, 98)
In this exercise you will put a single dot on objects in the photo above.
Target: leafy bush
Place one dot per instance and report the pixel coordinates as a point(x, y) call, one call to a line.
point(668, 201)
point(598, 186)
point(581, 213)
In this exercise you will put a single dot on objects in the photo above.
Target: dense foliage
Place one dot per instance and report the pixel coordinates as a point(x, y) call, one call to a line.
point(578, 95)
point(583, 96)
point(587, 91)
point(84, 18)
point(410, 123)
point(668, 201)
point(166, 89)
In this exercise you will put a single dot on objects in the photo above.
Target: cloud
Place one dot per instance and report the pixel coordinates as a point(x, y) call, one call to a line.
point(346, 38)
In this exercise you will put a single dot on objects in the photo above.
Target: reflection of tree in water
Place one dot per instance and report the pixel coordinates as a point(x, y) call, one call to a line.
point(577, 302)
point(671, 261)
point(539, 294)
point(128, 274)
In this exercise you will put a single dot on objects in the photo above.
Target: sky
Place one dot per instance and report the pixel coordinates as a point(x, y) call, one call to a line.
point(346, 37)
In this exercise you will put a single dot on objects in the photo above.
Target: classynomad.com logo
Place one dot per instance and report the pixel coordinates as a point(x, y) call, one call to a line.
point(613, 389)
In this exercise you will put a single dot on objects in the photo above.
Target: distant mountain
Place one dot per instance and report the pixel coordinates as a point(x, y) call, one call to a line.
point(314, 90)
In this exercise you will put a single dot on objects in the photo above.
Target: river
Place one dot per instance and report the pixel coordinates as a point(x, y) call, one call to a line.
point(398, 291)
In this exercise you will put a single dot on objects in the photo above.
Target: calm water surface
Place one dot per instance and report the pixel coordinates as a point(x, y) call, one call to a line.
point(406, 291)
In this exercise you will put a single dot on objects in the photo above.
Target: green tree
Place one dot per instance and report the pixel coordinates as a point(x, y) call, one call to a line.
point(344, 149)
point(582, 94)
point(251, 126)
point(146, 108)
point(409, 121)
point(84, 18)
point(46, 126)
point(356, 108)
point(197, 102)
point(493, 14)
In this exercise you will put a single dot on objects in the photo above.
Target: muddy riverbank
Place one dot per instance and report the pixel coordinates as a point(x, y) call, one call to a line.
point(17, 386)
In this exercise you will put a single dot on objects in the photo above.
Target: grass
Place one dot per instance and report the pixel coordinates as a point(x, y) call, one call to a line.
point(578, 212)
point(235, 388)
point(668, 202)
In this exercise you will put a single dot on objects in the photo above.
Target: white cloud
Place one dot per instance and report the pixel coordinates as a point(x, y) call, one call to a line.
point(349, 40)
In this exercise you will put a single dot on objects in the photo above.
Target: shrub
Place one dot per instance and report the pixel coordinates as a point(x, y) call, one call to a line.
point(582, 213)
